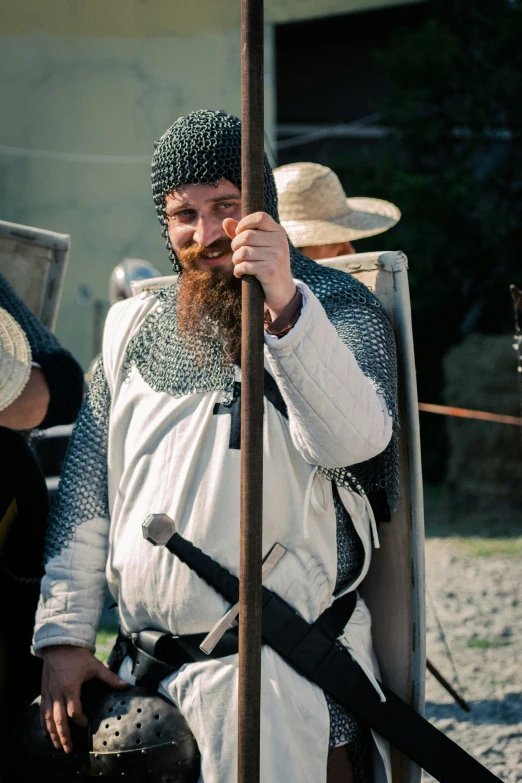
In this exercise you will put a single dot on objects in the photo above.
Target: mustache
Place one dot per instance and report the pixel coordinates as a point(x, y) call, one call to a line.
point(189, 254)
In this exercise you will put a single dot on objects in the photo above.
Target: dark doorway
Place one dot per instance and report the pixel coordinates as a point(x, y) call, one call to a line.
point(328, 76)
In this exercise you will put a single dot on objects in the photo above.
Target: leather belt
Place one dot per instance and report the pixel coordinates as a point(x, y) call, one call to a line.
point(156, 654)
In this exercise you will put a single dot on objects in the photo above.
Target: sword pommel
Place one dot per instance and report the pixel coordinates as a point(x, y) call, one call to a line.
point(158, 529)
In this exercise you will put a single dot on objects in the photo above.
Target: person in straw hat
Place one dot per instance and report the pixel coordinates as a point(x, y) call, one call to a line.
point(41, 384)
point(15, 361)
point(51, 390)
point(318, 217)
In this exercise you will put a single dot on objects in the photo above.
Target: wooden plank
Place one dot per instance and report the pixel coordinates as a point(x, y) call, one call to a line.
point(394, 587)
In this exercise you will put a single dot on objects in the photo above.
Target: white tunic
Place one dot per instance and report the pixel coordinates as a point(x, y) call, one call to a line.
point(171, 454)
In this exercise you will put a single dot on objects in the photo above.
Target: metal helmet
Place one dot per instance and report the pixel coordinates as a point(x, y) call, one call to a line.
point(125, 272)
point(134, 733)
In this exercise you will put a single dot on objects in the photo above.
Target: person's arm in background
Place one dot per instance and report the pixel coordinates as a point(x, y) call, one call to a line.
point(29, 410)
point(54, 392)
point(74, 585)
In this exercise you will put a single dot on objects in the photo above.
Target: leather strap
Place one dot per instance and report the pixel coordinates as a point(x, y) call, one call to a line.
point(315, 655)
point(156, 655)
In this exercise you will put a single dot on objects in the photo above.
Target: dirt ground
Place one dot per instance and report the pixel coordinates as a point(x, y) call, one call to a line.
point(475, 591)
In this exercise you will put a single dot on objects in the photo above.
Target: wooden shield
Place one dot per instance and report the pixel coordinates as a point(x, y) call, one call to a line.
point(394, 588)
point(34, 261)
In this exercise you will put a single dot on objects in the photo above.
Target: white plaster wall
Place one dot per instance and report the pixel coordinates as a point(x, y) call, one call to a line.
point(98, 78)
point(102, 96)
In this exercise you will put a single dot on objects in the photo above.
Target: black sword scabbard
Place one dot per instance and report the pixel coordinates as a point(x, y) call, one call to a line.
point(317, 656)
point(217, 577)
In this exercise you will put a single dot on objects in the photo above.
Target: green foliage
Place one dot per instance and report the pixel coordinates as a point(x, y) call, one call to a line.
point(454, 167)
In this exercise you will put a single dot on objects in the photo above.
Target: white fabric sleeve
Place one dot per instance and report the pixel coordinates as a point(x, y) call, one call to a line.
point(73, 590)
point(337, 418)
point(74, 585)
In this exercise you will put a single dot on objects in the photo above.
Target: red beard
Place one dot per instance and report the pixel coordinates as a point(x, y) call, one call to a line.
point(209, 302)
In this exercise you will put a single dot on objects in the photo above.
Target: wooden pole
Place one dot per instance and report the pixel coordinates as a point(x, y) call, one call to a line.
point(445, 684)
point(252, 189)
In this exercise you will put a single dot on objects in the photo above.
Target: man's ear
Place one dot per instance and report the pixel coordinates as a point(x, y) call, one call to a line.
point(230, 225)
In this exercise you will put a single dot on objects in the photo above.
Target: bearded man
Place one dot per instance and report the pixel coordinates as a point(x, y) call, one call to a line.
point(160, 433)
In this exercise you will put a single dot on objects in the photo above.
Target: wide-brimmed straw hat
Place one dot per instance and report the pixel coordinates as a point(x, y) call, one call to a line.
point(15, 359)
point(314, 209)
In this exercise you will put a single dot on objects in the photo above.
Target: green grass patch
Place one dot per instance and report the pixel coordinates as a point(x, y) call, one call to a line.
point(490, 547)
point(105, 636)
point(485, 644)
point(105, 639)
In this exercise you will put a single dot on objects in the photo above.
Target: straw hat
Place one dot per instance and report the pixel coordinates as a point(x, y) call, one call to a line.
point(15, 359)
point(314, 210)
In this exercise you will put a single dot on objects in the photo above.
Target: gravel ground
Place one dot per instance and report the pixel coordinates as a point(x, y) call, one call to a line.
point(477, 594)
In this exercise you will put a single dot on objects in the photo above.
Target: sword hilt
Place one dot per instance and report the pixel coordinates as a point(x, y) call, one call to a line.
point(159, 529)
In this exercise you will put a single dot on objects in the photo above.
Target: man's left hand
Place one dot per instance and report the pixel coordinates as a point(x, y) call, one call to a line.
point(260, 248)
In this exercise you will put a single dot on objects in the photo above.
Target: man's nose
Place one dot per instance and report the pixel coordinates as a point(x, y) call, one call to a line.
point(208, 229)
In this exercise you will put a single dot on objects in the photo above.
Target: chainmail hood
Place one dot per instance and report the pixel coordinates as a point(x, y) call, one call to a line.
point(201, 148)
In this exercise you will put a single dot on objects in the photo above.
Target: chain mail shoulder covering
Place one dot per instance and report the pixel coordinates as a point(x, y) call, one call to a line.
point(200, 148)
point(166, 361)
point(83, 492)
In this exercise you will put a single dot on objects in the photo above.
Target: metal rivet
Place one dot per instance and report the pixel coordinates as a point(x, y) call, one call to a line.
point(143, 752)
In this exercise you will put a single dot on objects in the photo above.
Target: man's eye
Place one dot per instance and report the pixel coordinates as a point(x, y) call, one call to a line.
point(183, 213)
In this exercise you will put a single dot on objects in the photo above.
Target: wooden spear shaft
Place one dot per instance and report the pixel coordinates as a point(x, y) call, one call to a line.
point(252, 190)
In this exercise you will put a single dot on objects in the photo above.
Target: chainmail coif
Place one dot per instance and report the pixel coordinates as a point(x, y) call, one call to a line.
point(203, 147)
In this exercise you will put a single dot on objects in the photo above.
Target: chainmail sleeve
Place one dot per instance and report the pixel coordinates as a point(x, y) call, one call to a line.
point(74, 585)
point(63, 374)
point(83, 493)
